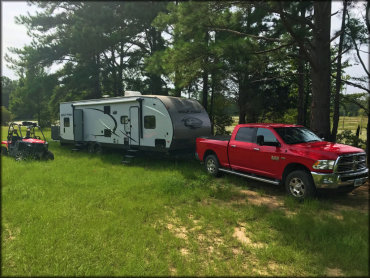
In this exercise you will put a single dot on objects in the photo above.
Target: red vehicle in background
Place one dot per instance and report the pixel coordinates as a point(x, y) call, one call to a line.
point(287, 154)
point(32, 145)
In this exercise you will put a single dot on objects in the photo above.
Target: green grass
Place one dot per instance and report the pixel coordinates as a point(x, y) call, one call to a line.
point(88, 215)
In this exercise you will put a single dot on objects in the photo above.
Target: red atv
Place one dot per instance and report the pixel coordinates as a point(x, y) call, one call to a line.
point(29, 147)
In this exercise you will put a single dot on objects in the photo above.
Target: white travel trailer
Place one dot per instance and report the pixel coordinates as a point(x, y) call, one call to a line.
point(135, 121)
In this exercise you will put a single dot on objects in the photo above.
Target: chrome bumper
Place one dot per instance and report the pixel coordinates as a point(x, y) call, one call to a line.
point(333, 181)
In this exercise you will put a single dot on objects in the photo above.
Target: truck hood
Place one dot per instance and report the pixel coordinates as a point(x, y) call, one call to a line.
point(323, 150)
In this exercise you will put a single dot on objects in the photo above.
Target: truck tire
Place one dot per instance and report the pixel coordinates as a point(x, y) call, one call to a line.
point(299, 184)
point(212, 165)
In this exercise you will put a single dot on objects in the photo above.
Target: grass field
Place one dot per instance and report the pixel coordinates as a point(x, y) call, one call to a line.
point(88, 215)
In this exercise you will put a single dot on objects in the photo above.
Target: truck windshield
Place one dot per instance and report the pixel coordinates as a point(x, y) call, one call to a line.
point(296, 135)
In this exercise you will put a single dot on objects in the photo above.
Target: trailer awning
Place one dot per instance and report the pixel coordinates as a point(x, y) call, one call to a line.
point(108, 101)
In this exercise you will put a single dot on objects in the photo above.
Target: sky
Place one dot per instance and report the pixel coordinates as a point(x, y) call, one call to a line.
point(14, 35)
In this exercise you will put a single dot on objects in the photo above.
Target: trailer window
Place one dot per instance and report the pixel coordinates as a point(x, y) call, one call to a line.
point(107, 109)
point(149, 122)
point(124, 120)
point(66, 122)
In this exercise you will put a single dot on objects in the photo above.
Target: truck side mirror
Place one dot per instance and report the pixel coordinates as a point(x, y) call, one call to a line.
point(260, 140)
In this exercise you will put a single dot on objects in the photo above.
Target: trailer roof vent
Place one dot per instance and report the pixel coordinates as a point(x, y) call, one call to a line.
point(132, 93)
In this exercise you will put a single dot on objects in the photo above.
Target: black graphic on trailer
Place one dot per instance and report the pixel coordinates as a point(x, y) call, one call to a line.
point(192, 122)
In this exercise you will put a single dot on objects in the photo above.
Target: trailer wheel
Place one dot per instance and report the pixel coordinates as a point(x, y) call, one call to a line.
point(212, 165)
point(299, 184)
point(91, 148)
point(94, 148)
point(4, 151)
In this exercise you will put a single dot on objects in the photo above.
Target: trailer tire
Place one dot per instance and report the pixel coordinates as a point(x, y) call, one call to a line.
point(95, 148)
point(299, 184)
point(91, 148)
point(4, 151)
point(212, 165)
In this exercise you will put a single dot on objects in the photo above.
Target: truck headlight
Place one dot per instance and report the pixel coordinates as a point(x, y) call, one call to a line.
point(324, 164)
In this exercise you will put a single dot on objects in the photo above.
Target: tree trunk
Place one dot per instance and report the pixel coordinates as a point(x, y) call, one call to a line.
point(320, 55)
point(301, 76)
point(211, 113)
point(338, 80)
point(301, 90)
point(241, 102)
point(120, 71)
point(205, 78)
point(368, 131)
point(96, 76)
point(307, 95)
point(177, 87)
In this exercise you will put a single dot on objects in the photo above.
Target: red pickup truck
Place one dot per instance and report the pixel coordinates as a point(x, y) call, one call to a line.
point(284, 154)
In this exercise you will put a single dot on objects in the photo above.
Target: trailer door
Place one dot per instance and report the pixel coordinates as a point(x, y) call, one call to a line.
point(134, 126)
point(78, 125)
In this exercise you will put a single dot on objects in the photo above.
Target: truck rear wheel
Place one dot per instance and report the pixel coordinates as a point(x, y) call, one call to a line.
point(212, 165)
point(299, 184)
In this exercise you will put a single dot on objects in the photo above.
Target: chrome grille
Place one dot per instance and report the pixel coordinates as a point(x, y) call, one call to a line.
point(351, 163)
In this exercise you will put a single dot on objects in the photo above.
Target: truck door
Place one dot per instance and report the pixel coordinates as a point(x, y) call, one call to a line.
point(267, 160)
point(78, 125)
point(134, 126)
point(241, 149)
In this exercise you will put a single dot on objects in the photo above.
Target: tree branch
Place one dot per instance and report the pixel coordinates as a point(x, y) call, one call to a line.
point(357, 103)
point(354, 85)
point(242, 34)
point(346, 50)
point(273, 49)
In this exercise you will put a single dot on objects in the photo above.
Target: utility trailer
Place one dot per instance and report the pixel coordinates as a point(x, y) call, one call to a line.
point(135, 121)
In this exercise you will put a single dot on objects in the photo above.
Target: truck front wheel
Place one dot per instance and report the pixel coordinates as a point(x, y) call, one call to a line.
point(212, 165)
point(299, 184)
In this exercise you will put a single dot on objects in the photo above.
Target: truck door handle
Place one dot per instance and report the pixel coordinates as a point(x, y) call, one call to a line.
point(256, 149)
point(233, 146)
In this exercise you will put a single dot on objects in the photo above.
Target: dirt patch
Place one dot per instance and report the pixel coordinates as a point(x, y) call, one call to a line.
point(184, 251)
point(10, 235)
point(173, 271)
point(179, 232)
point(257, 199)
point(239, 234)
point(334, 272)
